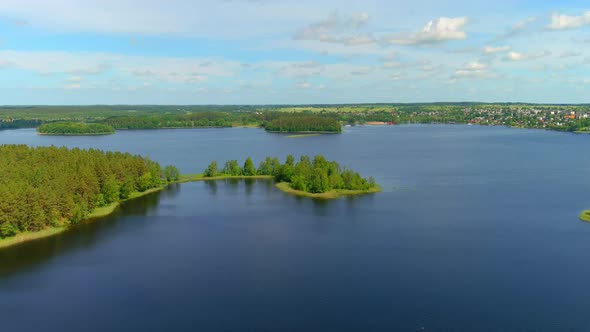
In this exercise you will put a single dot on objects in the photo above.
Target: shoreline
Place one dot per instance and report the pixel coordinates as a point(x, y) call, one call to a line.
point(303, 135)
point(332, 194)
point(184, 178)
point(304, 132)
point(297, 134)
point(81, 134)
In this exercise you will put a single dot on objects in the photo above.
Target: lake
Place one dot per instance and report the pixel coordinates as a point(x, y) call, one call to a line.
point(476, 230)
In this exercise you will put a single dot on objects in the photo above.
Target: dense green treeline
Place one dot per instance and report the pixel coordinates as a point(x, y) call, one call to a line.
point(93, 113)
point(18, 124)
point(74, 128)
point(192, 120)
point(299, 123)
point(316, 175)
point(49, 186)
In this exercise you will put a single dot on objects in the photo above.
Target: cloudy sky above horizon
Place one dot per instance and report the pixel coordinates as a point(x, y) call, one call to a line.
point(293, 51)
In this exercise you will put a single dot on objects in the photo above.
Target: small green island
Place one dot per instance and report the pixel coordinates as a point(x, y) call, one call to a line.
point(75, 129)
point(585, 216)
point(46, 190)
point(317, 177)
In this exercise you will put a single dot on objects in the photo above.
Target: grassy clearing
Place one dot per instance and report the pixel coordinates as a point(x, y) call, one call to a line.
point(585, 216)
point(332, 194)
point(251, 125)
point(29, 236)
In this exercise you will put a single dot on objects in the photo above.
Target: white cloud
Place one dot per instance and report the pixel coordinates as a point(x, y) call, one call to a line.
point(74, 79)
point(516, 56)
point(74, 86)
point(436, 31)
point(561, 22)
point(474, 69)
point(475, 66)
point(303, 85)
point(397, 76)
point(496, 49)
point(337, 29)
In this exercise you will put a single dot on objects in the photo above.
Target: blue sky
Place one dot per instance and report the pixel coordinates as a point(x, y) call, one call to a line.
point(293, 52)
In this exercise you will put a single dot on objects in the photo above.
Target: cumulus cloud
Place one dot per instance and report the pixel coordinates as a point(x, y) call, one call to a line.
point(562, 22)
point(516, 56)
point(475, 69)
point(436, 31)
point(496, 49)
point(337, 29)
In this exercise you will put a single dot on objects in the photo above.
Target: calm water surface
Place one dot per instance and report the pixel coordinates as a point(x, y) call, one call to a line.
point(476, 230)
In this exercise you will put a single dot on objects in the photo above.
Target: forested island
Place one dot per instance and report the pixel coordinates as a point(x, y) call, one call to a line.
point(315, 177)
point(75, 129)
point(46, 189)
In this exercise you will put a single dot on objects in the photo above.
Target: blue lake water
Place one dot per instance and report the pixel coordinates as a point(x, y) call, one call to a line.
point(476, 230)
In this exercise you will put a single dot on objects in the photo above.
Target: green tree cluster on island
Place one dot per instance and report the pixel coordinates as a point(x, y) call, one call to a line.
point(75, 128)
point(316, 175)
point(49, 186)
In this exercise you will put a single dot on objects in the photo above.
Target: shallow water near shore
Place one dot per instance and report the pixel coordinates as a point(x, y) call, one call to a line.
point(476, 230)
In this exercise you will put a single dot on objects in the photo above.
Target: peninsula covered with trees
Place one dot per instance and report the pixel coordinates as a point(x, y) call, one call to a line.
point(75, 129)
point(190, 120)
point(315, 177)
point(49, 188)
point(46, 189)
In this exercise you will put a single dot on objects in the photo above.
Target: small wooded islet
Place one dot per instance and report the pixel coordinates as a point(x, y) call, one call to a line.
point(316, 175)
